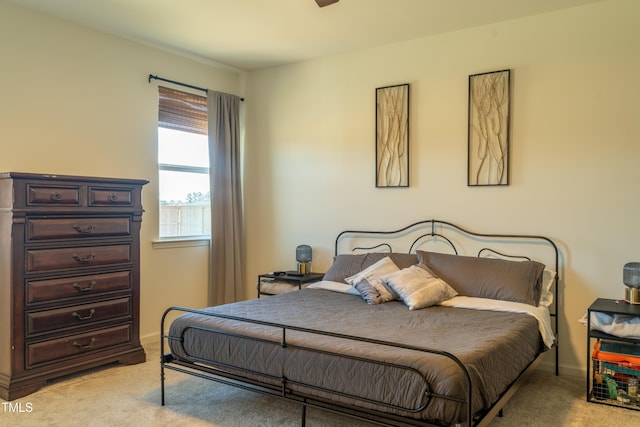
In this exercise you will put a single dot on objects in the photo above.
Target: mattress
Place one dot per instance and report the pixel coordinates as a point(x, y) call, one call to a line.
point(494, 346)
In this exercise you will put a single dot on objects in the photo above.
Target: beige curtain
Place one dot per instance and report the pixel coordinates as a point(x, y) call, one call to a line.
point(226, 278)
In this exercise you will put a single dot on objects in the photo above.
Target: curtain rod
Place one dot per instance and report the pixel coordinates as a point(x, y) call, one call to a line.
point(151, 76)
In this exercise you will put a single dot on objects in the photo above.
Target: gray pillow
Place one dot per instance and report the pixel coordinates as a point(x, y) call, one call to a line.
point(516, 281)
point(346, 265)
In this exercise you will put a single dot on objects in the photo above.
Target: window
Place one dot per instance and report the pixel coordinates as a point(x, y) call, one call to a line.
point(183, 164)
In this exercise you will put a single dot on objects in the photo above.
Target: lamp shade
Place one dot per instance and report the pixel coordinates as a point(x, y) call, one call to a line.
point(303, 253)
point(631, 274)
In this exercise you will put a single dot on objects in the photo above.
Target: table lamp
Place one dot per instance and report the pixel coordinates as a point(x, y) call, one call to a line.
point(303, 256)
point(631, 279)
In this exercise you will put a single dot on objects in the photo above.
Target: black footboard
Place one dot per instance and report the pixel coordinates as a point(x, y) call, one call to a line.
point(246, 378)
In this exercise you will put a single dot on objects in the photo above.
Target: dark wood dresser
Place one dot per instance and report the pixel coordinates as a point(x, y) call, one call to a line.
point(69, 276)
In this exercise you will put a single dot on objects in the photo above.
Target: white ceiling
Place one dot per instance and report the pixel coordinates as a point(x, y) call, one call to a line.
point(253, 34)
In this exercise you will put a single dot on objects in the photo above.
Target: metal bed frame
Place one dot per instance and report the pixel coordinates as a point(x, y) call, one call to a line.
point(229, 375)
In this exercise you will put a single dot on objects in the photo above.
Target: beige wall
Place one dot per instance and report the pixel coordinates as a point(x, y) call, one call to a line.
point(575, 147)
point(77, 102)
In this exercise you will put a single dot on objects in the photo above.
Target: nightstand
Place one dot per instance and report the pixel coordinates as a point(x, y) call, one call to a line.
point(280, 283)
point(614, 371)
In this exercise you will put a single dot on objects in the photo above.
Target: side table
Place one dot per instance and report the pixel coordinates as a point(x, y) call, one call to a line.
point(286, 281)
point(613, 374)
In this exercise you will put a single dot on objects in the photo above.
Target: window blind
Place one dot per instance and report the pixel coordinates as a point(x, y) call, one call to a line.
point(182, 111)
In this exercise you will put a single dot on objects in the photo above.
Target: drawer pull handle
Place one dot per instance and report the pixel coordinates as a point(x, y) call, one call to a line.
point(87, 289)
point(81, 317)
point(86, 259)
point(56, 196)
point(86, 230)
point(85, 346)
point(113, 197)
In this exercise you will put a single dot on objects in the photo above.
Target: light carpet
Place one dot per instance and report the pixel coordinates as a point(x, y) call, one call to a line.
point(119, 395)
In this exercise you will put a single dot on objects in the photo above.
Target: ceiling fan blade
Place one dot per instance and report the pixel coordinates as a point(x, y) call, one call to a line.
point(323, 3)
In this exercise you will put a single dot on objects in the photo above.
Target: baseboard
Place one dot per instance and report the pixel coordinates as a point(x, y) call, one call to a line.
point(564, 370)
point(150, 339)
point(572, 371)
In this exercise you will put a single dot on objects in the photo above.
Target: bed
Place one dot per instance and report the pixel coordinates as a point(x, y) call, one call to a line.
point(429, 324)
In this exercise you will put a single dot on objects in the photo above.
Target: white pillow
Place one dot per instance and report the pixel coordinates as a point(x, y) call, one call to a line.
point(368, 282)
point(418, 287)
point(546, 296)
point(339, 287)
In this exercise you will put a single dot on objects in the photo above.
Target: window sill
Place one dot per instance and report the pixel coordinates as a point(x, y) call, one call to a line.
point(181, 242)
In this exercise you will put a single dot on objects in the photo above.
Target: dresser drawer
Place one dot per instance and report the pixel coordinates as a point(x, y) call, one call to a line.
point(99, 196)
point(79, 257)
point(57, 195)
point(77, 315)
point(73, 228)
point(74, 345)
point(69, 287)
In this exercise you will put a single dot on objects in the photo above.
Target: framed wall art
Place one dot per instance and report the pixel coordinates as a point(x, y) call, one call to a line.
point(489, 106)
point(392, 136)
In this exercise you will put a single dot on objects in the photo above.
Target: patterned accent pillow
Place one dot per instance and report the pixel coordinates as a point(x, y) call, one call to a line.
point(418, 287)
point(368, 282)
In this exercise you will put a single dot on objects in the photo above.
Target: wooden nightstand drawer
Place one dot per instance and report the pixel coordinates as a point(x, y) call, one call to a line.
point(110, 196)
point(53, 195)
point(80, 257)
point(72, 228)
point(69, 287)
point(77, 315)
point(53, 350)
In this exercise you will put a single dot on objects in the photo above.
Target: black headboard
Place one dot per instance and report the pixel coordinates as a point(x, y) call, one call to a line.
point(454, 238)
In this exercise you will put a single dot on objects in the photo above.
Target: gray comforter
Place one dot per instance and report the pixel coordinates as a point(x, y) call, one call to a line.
point(495, 347)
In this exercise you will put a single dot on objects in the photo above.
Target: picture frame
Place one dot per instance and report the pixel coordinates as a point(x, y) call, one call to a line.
point(489, 128)
point(392, 136)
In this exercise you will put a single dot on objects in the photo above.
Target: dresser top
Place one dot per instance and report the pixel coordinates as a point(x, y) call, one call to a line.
point(53, 177)
point(66, 194)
